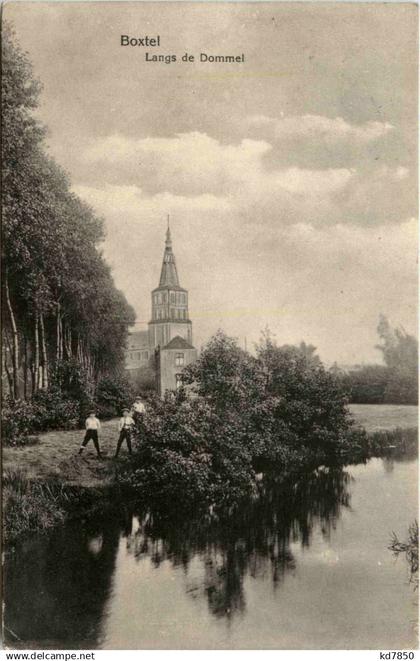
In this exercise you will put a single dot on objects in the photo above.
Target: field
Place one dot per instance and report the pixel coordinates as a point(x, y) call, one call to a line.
point(376, 417)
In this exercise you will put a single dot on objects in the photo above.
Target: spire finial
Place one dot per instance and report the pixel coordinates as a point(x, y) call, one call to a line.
point(168, 234)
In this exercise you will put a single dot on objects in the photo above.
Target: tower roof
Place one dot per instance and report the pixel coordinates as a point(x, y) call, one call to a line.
point(178, 342)
point(168, 274)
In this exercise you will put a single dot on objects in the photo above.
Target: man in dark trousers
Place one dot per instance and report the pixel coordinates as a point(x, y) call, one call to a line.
point(92, 425)
point(125, 426)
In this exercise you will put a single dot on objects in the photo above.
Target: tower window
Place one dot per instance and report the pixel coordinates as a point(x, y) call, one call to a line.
point(179, 359)
point(178, 381)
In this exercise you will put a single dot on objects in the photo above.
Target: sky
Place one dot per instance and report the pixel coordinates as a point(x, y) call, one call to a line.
point(290, 178)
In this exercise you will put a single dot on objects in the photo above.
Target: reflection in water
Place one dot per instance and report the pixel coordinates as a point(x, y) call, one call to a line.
point(56, 586)
point(254, 540)
point(66, 577)
point(136, 579)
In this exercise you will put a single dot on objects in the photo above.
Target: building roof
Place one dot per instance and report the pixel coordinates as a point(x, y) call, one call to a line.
point(178, 342)
point(168, 274)
point(138, 340)
point(168, 288)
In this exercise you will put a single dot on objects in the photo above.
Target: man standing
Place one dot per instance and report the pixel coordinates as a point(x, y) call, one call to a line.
point(92, 425)
point(125, 427)
point(138, 406)
point(139, 410)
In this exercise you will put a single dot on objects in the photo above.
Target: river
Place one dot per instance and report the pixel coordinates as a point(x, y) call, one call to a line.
point(305, 566)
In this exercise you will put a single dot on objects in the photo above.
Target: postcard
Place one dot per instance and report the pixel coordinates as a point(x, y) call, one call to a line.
point(209, 304)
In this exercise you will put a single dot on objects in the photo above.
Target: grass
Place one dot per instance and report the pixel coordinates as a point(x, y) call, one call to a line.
point(395, 442)
point(46, 483)
point(384, 417)
point(36, 506)
point(56, 456)
point(30, 506)
point(410, 548)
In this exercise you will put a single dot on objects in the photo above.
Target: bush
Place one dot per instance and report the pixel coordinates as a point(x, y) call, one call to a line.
point(188, 456)
point(113, 393)
point(55, 411)
point(73, 382)
point(18, 421)
point(48, 409)
point(279, 411)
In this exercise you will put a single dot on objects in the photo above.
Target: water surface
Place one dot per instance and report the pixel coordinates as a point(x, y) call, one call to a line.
point(303, 566)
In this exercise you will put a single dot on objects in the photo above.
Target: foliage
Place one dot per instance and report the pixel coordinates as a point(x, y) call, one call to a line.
point(75, 384)
point(54, 411)
point(59, 298)
point(396, 382)
point(410, 548)
point(18, 422)
point(386, 443)
point(30, 506)
point(279, 410)
point(112, 395)
point(144, 380)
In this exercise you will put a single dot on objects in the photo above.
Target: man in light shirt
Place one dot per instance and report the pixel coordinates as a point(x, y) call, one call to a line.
point(125, 427)
point(139, 410)
point(92, 425)
point(138, 406)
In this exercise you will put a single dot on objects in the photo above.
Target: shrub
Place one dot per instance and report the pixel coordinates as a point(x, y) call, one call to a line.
point(29, 506)
point(112, 394)
point(279, 410)
point(18, 421)
point(54, 411)
point(75, 385)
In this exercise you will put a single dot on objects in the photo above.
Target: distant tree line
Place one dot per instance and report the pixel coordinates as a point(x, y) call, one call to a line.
point(59, 301)
point(395, 382)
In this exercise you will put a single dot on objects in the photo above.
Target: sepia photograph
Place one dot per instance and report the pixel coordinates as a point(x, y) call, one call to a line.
point(209, 325)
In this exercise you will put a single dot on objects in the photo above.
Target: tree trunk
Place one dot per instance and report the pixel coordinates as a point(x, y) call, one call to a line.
point(44, 358)
point(67, 339)
point(15, 340)
point(61, 339)
point(57, 331)
point(36, 352)
point(80, 353)
point(9, 376)
point(25, 367)
point(59, 351)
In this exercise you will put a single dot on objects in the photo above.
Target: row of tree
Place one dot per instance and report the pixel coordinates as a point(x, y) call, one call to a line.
point(393, 382)
point(59, 301)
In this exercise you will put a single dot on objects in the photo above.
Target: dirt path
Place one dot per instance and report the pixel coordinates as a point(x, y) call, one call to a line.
point(56, 455)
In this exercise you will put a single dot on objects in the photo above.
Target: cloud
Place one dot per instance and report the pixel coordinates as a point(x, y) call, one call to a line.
point(319, 142)
point(126, 199)
point(329, 129)
point(196, 169)
point(186, 163)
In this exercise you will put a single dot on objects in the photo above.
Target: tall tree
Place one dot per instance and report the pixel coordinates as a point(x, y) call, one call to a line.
point(59, 299)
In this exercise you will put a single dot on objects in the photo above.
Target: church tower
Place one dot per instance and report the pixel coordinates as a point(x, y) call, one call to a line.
point(170, 316)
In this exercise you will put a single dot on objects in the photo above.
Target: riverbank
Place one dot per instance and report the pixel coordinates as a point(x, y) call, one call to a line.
point(46, 483)
point(55, 457)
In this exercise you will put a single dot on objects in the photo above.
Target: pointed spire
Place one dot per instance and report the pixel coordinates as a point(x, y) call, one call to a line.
point(168, 274)
point(168, 235)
